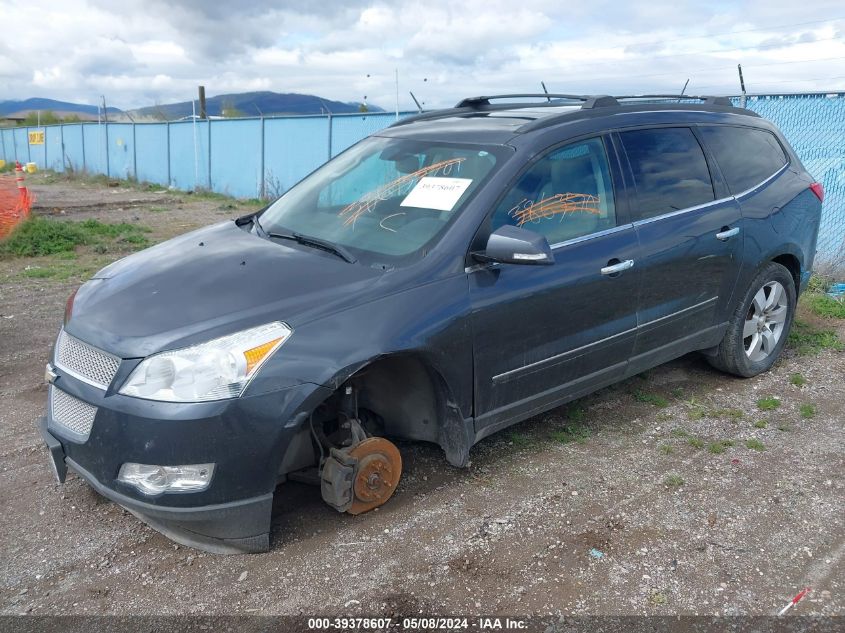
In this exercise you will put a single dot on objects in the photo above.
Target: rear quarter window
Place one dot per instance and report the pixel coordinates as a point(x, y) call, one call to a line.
point(669, 169)
point(746, 156)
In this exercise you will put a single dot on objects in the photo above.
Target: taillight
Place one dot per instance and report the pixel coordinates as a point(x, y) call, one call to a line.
point(69, 305)
point(818, 189)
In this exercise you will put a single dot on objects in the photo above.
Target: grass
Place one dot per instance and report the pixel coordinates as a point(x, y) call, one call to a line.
point(824, 306)
point(717, 448)
point(784, 428)
point(768, 404)
point(809, 340)
point(760, 424)
point(798, 380)
point(664, 449)
point(651, 398)
point(807, 410)
point(43, 236)
point(698, 411)
point(519, 439)
point(673, 481)
point(755, 445)
point(571, 433)
point(696, 442)
point(681, 433)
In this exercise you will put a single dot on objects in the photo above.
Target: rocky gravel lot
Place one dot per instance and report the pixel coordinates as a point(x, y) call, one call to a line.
point(680, 491)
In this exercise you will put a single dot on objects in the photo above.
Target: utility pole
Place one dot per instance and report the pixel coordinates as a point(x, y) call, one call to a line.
point(203, 111)
point(105, 111)
point(742, 86)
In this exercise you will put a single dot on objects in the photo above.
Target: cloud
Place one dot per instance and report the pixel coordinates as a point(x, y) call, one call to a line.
point(142, 51)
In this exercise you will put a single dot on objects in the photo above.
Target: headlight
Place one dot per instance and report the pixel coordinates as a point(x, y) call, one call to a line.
point(216, 370)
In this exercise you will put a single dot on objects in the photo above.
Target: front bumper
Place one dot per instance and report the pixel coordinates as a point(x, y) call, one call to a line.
point(246, 438)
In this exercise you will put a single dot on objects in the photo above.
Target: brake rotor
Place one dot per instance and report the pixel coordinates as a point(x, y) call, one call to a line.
point(377, 474)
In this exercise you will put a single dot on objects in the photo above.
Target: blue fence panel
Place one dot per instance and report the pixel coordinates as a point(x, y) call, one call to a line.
point(189, 155)
point(236, 157)
point(121, 150)
point(151, 153)
point(22, 144)
point(94, 137)
point(7, 145)
point(815, 127)
point(74, 150)
point(293, 148)
point(54, 153)
point(348, 129)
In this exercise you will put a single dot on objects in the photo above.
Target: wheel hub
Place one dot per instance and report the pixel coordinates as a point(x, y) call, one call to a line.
point(376, 475)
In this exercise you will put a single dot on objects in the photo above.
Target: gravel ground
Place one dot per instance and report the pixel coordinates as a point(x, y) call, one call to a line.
point(659, 507)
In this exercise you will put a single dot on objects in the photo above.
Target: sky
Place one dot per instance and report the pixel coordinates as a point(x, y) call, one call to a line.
point(145, 52)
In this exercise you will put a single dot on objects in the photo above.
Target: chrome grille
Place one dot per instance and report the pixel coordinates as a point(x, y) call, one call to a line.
point(71, 413)
point(85, 362)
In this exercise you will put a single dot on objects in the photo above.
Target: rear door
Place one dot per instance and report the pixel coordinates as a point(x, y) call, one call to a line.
point(544, 334)
point(690, 243)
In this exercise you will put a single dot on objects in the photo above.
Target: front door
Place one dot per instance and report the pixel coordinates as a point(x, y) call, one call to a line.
point(545, 334)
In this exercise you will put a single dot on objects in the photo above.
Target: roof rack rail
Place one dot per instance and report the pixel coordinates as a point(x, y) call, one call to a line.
point(708, 100)
point(588, 101)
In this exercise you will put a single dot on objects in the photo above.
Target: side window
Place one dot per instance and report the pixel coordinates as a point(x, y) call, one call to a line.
point(565, 194)
point(670, 171)
point(746, 156)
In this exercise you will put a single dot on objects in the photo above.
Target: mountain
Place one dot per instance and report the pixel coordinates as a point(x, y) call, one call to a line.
point(37, 103)
point(255, 104)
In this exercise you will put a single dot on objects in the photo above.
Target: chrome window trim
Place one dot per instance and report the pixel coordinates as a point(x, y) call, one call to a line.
point(590, 236)
point(672, 214)
point(765, 182)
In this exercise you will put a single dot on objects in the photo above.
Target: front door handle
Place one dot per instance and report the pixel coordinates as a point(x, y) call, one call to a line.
point(725, 234)
point(613, 269)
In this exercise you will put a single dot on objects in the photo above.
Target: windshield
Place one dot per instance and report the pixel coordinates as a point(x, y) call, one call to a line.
point(386, 197)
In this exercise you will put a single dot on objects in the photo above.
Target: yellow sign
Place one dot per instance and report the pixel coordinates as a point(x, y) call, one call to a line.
point(36, 138)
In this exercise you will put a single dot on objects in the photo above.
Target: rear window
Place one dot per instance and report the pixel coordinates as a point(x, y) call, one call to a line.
point(670, 171)
point(746, 156)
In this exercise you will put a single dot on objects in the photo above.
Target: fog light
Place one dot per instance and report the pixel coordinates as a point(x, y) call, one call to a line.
point(154, 480)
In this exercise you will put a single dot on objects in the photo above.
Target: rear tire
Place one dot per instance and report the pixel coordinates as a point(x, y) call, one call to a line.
point(760, 324)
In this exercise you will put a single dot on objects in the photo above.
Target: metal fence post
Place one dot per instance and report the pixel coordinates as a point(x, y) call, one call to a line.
point(62, 141)
point(208, 123)
point(134, 154)
point(330, 136)
point(167, 129)
point(262, 185)
point(108, 172)
point(82, 133)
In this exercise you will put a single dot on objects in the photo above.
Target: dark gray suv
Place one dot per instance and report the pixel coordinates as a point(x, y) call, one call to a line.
point(441, 280)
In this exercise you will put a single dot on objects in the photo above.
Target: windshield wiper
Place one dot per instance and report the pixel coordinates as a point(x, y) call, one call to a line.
point(316, 242)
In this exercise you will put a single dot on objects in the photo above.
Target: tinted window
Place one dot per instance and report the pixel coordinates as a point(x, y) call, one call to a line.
point(746, 156)
point(565, 194)
point(670, 171)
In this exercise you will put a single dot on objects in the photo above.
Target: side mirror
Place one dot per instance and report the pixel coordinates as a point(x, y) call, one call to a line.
point(515, 245)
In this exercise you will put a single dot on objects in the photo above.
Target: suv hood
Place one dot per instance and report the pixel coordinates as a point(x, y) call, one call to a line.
point(212, 282)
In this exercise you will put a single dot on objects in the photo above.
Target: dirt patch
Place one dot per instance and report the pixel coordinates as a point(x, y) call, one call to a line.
point(683, 528)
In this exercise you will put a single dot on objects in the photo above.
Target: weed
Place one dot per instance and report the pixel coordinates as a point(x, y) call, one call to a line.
point(717, 448)
point(808, 340)
point(571, 433)
point(664, 449)
point(651, 398)
point(696, 442)
point(824, 306)
point(798, 380)
point(43, 236)
point(761, 424)
point(768, 404)
point(673, 481)
point(735, 415)
point(807, 410)
point(658, 598)
point(678, 392)
point(158, 209)
point(519, 439)
point(576, 414)
point(678, 433)
point(785, 428)
point(755, 444)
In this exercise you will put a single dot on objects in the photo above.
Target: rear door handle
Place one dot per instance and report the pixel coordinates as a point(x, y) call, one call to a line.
point(614, 269)
point(726, 234)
